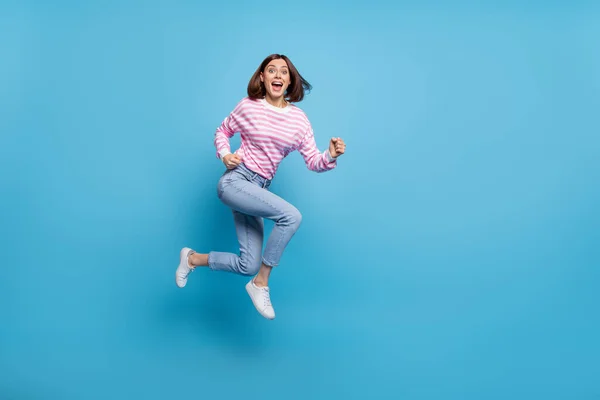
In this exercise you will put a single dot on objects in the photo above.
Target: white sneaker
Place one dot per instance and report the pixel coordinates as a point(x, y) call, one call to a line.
point(184, 269)
point(261, 299)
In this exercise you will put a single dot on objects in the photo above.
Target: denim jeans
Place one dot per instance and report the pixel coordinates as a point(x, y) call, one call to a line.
point(248, 196)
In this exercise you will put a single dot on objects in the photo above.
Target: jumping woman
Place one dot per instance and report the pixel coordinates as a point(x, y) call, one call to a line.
point(271, 127)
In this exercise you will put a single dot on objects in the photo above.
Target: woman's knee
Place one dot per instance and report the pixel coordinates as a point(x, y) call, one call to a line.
point(292, 217)
point(249, 267)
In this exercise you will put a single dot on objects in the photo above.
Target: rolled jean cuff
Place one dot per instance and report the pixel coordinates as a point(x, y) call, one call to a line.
point(210, 261)
point(269, 264)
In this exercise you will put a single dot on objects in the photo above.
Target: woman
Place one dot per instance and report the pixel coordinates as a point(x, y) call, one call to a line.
point(271, 127)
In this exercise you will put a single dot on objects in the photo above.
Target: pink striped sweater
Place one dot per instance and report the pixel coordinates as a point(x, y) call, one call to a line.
point(268, 135)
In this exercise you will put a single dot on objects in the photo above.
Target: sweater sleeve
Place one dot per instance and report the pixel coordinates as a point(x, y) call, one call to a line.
point(226, 130)
point(315, 160)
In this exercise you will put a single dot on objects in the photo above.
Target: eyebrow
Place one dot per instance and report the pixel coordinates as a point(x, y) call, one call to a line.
point(271, 65)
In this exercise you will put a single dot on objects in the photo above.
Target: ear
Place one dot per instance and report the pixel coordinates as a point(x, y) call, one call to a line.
point(261, 77)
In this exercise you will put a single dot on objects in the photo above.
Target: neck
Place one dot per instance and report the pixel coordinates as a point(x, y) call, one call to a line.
point(280, 102)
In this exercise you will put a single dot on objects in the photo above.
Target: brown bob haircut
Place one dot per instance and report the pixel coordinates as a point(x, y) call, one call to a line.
point(295, 91)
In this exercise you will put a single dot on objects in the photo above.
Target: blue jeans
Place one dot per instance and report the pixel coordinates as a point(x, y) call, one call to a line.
point(248, 196)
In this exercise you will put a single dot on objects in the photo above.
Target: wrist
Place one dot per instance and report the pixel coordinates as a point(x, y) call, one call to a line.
point(223, 153)
point(330, 156)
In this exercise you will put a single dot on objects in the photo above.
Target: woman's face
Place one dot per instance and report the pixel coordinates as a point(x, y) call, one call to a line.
point(276, 78)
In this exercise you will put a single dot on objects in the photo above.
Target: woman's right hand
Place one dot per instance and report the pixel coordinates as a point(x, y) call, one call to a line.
point(231, 161)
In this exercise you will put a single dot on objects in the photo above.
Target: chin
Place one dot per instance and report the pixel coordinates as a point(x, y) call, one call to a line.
point(276, 96)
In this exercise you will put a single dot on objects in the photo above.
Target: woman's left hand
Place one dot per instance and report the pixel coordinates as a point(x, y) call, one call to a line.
point(337, 147)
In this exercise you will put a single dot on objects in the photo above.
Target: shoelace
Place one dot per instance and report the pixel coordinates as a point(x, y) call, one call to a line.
point(266, 296)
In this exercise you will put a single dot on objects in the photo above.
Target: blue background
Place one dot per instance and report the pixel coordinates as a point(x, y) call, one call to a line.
point(453, 254)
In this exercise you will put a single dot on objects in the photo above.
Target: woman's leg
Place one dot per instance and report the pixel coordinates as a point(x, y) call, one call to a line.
point(250, 199)
point(250, 231)
point(250, 204)
point(264, 272)
point(262, 279)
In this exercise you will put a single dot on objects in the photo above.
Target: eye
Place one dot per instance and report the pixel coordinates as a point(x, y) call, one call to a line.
point(284, 72)
point(271, 71)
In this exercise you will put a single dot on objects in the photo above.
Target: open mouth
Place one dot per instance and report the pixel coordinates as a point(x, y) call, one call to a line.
point(277, 86)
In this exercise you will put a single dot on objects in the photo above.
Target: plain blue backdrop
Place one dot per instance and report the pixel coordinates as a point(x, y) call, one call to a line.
point(453, 254)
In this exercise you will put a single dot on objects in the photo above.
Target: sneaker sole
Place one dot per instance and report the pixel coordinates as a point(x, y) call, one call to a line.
point(182, 259)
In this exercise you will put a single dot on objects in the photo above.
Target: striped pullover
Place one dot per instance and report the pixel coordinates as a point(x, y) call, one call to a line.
point(268, 135)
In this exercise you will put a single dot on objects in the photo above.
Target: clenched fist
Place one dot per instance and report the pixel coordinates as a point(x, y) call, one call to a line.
point(337, 147)
point(231, 161)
